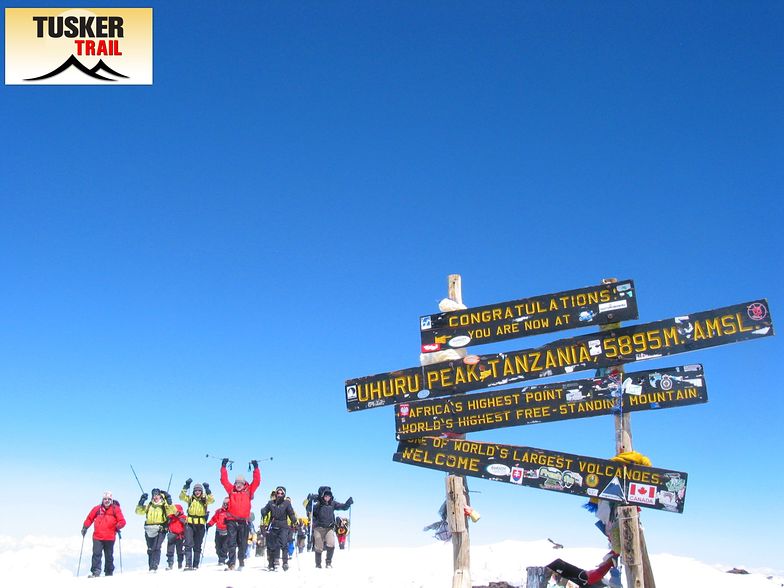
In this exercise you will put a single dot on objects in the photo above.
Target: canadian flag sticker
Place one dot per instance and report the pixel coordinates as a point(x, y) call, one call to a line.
point(643, 493)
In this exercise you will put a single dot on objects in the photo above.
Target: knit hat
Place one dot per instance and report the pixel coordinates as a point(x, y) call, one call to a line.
point(107, 494)
point(155, 492)
point(281, 488)
point(198, 487)
point(240, 478)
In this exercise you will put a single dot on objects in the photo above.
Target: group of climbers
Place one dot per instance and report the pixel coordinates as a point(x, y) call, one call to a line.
point(185, 529)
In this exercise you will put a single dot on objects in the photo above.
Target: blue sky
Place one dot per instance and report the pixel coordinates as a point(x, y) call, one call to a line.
point(197, 266)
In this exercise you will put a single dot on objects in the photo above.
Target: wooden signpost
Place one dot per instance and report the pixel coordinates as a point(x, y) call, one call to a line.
point(430, 399)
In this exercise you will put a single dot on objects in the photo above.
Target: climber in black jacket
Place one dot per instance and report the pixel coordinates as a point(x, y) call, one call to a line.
point(323, 507)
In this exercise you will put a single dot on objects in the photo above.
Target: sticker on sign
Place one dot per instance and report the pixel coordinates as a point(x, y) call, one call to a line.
point(615, 305)
point(459, 341)
point(643, 493)
point(498, 469)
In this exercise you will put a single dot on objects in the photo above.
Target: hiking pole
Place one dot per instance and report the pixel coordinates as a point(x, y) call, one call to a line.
point(250, 463)
point(79, 565)
point(137, 479)
point(296, 549)
point(170, 479)
point(231, 461)
point(206, 532)
point(119, 536)
point(348, 538)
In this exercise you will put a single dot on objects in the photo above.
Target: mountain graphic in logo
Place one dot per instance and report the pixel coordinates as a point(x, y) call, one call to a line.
point(92, 72)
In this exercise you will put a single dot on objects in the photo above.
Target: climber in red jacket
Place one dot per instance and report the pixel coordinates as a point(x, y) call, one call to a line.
point(108, 520)
point(238, 516)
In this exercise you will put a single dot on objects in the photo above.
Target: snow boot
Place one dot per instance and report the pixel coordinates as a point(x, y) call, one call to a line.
point(285, 566)
point(318, 559)
point(330, 551)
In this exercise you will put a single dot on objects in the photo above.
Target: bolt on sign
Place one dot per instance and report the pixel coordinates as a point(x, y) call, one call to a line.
point(594, 305)
point(730, 324)
point(589, 477)
point(544, 403)
point(78, 46)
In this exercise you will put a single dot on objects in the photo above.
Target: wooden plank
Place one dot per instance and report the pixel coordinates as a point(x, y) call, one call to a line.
point(626, 484)
point(646, 390)
point(582, 307)
point(702, 330)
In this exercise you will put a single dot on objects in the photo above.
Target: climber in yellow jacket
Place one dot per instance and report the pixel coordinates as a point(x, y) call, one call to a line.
point(156, 513)
point(197, 519)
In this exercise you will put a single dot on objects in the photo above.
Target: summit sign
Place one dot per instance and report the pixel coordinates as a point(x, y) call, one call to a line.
point(584, 307)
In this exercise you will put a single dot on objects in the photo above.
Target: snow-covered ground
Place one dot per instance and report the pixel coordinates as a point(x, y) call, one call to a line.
point(53, 562)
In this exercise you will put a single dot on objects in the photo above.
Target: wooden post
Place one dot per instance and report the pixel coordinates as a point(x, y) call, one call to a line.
point(633, 549)
point(456, 493)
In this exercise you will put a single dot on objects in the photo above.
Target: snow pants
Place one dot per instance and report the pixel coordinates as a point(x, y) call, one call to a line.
point(278, 543)
point(154, 550)
point(220, 544)
point(174, 542)
point(194, 537)
point(236, 541)
point(323, 537)
point(105, 549)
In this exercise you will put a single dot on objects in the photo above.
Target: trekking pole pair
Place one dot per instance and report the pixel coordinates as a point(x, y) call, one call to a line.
point(81, 549)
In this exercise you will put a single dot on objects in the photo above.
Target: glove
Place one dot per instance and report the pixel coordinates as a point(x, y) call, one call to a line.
point(167, 496)
point(209, 525)
point(224, 461)
point(312, 496)
point(119, 535)
point(206, 488)
point(84, 531)
point(255, 464)
point(350, 501)
point(188, 483)
point(143, 499)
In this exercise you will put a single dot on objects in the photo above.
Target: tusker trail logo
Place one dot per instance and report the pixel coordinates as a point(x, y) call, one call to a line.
point(77, 46)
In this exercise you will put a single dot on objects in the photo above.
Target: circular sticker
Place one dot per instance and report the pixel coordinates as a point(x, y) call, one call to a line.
point(459, 341)
point(498, 469)
point(666, 383)
point(756, 312)
point(423, 393)
point(592, 480)
point(471, 359)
